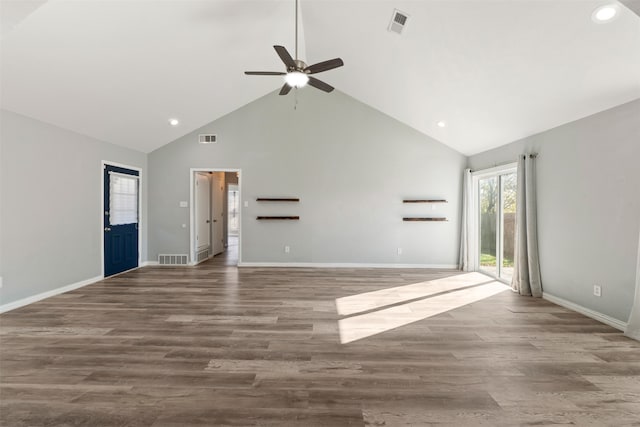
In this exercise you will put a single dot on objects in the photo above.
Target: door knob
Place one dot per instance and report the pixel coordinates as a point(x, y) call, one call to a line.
point(107, 229)
point(208, 221)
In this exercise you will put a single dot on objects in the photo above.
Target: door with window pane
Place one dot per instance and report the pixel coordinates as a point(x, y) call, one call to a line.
point(496, 197)
point(121, 213)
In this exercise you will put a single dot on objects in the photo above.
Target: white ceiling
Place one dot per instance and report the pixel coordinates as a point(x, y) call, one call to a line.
point(494, 71)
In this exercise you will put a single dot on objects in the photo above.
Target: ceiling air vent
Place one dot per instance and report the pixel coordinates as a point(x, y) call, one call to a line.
point(207, 139)
point(398, 21)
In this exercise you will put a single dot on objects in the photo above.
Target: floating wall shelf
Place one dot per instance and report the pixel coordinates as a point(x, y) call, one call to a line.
point(286, 218)
point(280, 199)
point(424, 201)
point(425, 219)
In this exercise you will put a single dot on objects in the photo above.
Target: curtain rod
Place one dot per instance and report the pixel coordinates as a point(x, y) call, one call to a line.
point(532, 155)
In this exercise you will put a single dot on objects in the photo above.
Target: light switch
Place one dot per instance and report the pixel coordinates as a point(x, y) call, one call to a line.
point(246, 204)
point(184, 204)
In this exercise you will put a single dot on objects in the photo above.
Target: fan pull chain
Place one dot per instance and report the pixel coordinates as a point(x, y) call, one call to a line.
point(295, 98)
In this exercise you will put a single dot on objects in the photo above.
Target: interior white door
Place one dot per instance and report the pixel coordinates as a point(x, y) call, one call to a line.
point(203, 212)
point(217, 210)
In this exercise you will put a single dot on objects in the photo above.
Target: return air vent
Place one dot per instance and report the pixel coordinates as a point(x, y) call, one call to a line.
point(207, 139)
point(398, 21)
point(202, 255)
point(173, 259)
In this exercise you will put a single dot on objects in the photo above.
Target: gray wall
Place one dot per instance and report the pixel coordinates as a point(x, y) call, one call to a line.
point(588, 206)
point(50, 217)
point(350, 165)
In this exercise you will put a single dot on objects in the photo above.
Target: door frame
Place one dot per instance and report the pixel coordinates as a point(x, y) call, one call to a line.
point(192, 213)
point(103, 163)
point(476, 176)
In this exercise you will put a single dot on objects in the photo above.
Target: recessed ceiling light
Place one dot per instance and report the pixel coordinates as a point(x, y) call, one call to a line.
point(441, 124)
point(605, 13)
point(174, 122)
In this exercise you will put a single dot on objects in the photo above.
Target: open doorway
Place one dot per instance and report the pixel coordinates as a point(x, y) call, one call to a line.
point(233, 215)
point(215, 216)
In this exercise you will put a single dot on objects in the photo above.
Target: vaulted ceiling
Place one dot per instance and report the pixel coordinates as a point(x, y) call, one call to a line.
point(494, 71)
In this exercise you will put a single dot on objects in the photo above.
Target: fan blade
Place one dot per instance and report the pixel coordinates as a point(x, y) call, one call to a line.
point(324, 66)
point(285, 89)
point(319, 84)
point(264, 73)
point(284, 55)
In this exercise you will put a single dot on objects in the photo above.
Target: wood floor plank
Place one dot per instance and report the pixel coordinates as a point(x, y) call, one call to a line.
point(215, 345)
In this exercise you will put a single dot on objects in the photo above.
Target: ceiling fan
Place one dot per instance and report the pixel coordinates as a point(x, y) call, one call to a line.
point(298, 73)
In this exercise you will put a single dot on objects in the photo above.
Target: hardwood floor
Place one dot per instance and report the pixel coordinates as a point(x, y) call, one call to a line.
point(215, 345)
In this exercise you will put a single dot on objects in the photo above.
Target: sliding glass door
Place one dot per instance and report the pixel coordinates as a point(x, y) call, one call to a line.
point(507, 224)
point(488, 203)
point(496, 203)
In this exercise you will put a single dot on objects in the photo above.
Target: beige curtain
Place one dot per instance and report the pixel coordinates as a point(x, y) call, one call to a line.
point(467, 253)
point(633, 327)
point(526, 275)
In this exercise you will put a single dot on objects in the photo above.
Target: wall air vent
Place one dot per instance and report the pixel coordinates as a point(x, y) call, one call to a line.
point(398, 21)
point(207, 139)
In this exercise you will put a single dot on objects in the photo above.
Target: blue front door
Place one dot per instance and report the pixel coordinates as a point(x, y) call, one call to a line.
point(121, 187)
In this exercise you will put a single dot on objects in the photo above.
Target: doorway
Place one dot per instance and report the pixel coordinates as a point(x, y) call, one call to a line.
point(495, 201)
point(233, 216)
point(121, 218)
point(215, 215)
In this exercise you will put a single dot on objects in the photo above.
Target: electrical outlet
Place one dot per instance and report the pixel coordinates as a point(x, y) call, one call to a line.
point(287, 249)
point(399, 251)
point(597, 290)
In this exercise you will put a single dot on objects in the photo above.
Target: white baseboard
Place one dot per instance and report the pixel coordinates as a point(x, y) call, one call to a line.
point(35, 298)
point(608, 320)
point(344, 265)
point(148, 263)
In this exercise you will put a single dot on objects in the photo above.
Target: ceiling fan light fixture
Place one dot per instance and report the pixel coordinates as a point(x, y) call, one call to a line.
point(296, 79)
point(297, 72)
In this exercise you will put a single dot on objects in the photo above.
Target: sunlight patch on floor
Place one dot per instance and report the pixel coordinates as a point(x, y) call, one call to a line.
point(361, 326)
point(384, 297)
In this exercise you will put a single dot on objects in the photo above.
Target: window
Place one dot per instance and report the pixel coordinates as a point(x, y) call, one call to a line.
point(123, 196)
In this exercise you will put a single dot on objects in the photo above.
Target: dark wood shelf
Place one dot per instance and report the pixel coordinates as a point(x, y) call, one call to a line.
point(277, 199)
point(293, 218)
point(424, 201)
point(425, 219)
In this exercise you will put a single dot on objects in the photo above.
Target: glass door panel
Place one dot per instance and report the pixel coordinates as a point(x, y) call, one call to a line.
point(507, 224)
point(488, 237)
